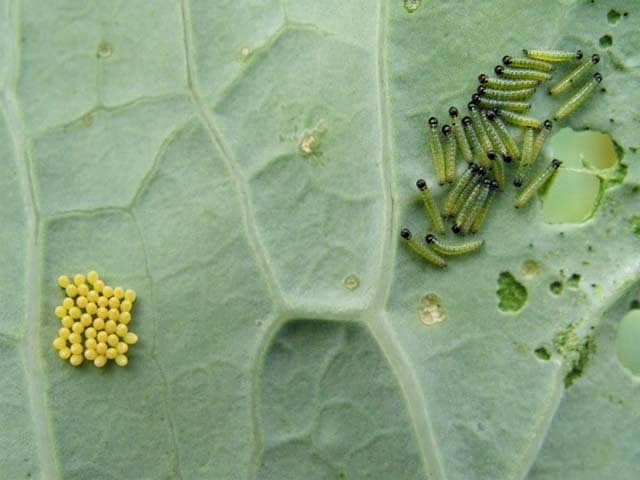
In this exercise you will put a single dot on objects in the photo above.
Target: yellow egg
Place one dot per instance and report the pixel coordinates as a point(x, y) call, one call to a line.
point(78, 279)
point(103, 302)
point(122, 347)
point(74, 312)
point(125, 306)
point(91, 308)
point(107, 291)
point(100, 361)
point(114, 302)
point(83, 290)
point(81, 301)
point(102, 312)
point(59, 343)
point(86, 320)
point(90, 332)
point(122, 360)
point(78, 327)
point(90, 343)
point(110, 326)
point(98, 323)
point(114, 314)
point(67, 321)
point(76, 349)
point(130, 295)
point(76, 338)
point(93, 296)
point(125, 317)
point(121, 330)
point(71, 290)
point(63, 281)
point(131, 338)
point(68, 303)
point(64, 332)
point(101, 348)
point(92, 277)
point(111, 353)
point(102, 336)
point(76, 360)
point(60, 311)
point(98, 286)
point(118, 292)
point(64, 353)
point(90, 354)
point(113, 340)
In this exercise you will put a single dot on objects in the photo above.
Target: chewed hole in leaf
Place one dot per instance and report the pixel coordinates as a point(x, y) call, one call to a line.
point(606, 40)
point(556, 287)
point(542, 353)
point(590, 161)
point(512, 295)
point(613, 16)
point(576, 350)
point(628, 342)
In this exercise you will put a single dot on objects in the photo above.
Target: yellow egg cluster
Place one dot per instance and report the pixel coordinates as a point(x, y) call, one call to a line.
point(95, 319)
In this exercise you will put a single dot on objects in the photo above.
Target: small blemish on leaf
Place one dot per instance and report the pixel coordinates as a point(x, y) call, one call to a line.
point(412, 5)
point(245, 54)
point(105, 50)
point(352, 282)
point(520, 347)
point(512, 295)
point(431, 309)
point(308, 144)
point(530, 269)
point(87, 120)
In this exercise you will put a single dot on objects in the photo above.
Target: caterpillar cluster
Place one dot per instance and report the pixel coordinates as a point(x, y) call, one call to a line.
point(486, 143)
